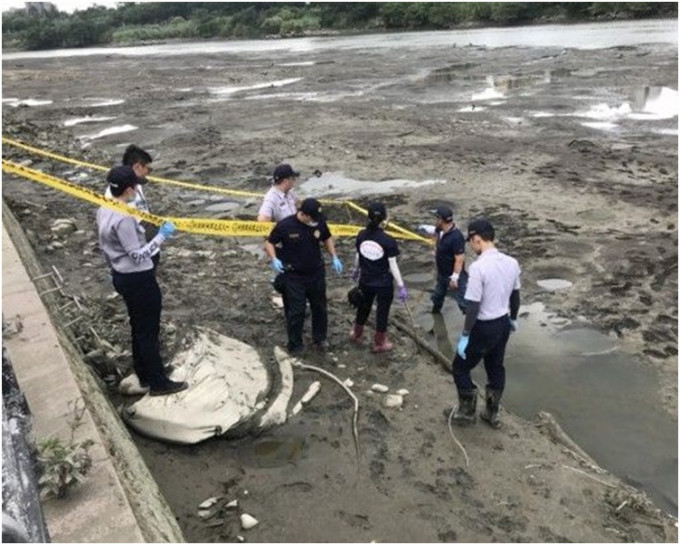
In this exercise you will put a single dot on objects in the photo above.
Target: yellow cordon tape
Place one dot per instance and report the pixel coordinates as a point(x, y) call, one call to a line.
point(205, 226)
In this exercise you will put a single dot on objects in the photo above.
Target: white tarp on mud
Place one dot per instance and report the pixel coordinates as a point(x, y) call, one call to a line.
point(227, 384)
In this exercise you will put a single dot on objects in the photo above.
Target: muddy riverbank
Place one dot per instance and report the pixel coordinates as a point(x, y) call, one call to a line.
point(571, 153)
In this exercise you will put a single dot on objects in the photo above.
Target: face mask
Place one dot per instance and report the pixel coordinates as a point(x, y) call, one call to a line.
point(313, 223)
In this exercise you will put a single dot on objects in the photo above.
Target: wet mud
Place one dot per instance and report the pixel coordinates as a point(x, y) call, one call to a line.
point(500, 132)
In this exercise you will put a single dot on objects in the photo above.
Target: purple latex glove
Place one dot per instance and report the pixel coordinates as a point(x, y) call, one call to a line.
point(403, 294)
point(355, 274)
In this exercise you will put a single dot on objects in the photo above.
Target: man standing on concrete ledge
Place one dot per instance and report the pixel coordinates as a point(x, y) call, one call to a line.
point(123, 243)
point(300, 260)
point(493, 286)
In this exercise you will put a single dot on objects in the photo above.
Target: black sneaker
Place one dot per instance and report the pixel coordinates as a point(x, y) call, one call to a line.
point(297, 351)
point(322, 347)
point(167, 388)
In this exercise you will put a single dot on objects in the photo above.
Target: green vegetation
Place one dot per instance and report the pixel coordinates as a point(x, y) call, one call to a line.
point(144, 21)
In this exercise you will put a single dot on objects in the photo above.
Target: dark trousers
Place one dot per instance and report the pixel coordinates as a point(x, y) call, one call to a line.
point(488, 340)
point(142, 297)
point(384, 296)
point(299, 289)
point(441, 288)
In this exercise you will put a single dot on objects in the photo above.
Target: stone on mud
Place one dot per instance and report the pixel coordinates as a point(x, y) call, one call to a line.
point(226, 380)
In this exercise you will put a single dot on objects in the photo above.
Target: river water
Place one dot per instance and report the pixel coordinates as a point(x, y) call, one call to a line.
point(583, 36)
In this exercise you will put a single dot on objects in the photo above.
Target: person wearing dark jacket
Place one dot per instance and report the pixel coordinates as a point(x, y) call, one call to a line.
point(450, 258)
point(123, 242)
point(376, 270)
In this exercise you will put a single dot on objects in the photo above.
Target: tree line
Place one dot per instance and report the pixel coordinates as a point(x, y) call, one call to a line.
point(153, 21)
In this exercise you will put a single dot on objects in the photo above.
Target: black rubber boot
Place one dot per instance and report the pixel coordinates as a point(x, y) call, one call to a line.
point(490, 413)
point(465, 413)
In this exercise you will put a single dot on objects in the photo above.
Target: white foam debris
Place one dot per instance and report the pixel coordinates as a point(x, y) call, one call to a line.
point(207, 504)
point(313, 389)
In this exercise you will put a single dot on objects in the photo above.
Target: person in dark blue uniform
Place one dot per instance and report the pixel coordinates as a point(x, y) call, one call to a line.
point(376, 270)
point(450, 258)
point(299, 257)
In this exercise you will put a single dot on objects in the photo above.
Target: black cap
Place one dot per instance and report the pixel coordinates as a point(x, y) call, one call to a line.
point(443, 212)
point(481, 227)
point(284, 171)
point(377, 211)
point(312, 208)
point(122, 177)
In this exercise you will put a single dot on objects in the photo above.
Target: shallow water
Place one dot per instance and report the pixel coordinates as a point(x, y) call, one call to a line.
point(583, 36)
point(600, 396)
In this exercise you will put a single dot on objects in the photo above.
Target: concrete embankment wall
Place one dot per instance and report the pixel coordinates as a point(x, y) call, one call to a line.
point(119, 500)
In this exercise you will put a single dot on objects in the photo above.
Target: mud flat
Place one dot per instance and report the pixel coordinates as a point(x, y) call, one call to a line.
point(573, 155)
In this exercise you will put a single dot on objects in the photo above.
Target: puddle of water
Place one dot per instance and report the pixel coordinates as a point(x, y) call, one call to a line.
point(601, 125)
point(108, 132)
point(106, 102)
point(15, 102)
point(255, 248)
point(553, 284)
point(228, 91)
point(226, 206)
point(275, 452)
point(337, 184)
point(301, 63)
point(605, 401)
point(472, 108)
point(87, 119)
point(656, 102)
point(420, 279)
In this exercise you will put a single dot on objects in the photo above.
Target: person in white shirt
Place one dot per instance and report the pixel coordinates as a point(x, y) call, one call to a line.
point(492, 297)
point(281, 200)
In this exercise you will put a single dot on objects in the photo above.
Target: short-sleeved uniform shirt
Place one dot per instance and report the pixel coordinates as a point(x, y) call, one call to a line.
point(300, 249)
point(493, 277)
point(449, 245)
point(277, 204)
point(375, 247)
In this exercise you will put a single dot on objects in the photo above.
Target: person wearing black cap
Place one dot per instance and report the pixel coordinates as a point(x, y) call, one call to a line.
point(376, 269)
point(128, 254)
point(492, 289)
point(280, 201)
point(450, 259)
point(140, 161)
point(299, 257)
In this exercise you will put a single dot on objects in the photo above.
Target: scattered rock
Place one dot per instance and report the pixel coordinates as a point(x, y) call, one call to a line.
point(248, 521)
point(392, 401)
point(381, 388)
point(403, 392)
point(210, 502)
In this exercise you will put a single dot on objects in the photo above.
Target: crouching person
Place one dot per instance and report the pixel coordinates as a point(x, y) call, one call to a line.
point(376, 269)
point(123, 243)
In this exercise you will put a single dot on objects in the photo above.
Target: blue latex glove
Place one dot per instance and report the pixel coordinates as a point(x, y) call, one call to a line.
point(167, 229)
point(403, 294)
point(277, 265)
point(462, 345)
point(337, 264)
point(513, 324)
point(355, 274)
